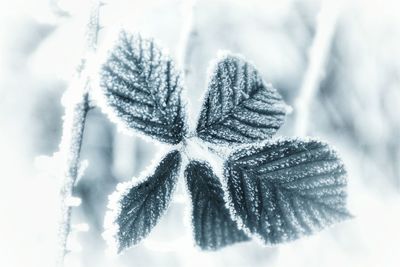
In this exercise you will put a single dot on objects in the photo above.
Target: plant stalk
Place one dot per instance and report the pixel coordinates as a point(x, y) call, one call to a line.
point(76, 108)
point(320, 47)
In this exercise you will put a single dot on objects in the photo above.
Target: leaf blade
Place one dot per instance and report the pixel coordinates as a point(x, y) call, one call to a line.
point(239, 107)
point(140, 85)
point(212, 224)
point(283, 190)
point(136, 209)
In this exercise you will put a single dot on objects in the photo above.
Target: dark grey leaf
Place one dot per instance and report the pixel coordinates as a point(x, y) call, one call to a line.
point(137, 208)
point(212, 223)
point(142, 89)
point(239, 107)
point(286, 189)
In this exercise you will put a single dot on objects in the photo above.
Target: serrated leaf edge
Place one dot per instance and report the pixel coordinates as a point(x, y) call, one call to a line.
point(258, 238)
point(111, 229)
point(189, 208)
point(101, 99)
point(212, 66)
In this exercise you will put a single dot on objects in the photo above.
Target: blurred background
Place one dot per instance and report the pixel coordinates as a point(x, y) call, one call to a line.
point(337, 63)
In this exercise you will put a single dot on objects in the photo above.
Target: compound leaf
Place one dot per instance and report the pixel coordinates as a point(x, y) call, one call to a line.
point(212, 224)
point(286, 189)
point(239, 107)
point(142, 89)
point(136, 209)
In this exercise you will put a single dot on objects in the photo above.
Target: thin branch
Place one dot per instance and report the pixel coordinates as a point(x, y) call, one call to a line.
point(326, 25)
point(76, 107)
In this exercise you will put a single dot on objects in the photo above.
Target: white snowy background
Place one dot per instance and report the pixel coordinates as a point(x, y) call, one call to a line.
point(337, 61)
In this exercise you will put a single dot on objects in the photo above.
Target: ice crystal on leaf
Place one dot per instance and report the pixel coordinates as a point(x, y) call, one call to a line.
point(143, 89)
point(274, 190)
point(285, 189)
point(212, 223)
point(137, 208)
point(239, 107)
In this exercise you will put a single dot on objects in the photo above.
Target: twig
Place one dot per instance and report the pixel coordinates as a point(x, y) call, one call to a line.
point(326, 25)
point(76, 108)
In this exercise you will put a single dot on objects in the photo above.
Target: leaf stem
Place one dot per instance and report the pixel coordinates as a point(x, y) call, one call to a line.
point(76, 108)
point(214, 151)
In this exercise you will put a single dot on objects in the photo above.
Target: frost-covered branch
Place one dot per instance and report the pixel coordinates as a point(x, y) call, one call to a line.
point(326, 25)
point(76, 102)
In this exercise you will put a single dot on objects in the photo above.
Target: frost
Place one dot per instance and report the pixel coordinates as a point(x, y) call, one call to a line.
point(136, 208)
point(73, 201)
point(212, 225)
point(282, 190)
point(73, 244)
point(81, 227)
point(239, 107)
point(142, 89)
point(276, 191)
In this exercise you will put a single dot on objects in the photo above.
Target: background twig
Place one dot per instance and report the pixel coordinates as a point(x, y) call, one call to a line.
point(326, 25)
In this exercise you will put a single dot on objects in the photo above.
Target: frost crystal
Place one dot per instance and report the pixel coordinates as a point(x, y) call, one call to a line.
point(286, 189)
point(239, 107)
point(212, 225)
point(143, 89)
point(276, 191)
point(137, 208)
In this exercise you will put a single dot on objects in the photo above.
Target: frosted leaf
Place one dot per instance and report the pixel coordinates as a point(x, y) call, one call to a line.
point(212, 225)
point(239, 107)
point(143, 89)
point(282, 190)
point(136, 209)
